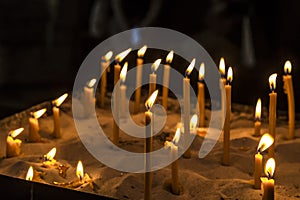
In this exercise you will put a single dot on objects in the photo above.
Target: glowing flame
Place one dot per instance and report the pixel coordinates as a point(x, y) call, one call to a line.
point(193, 123)
point(124, 72)
point(270, 167)
point(176, 136)
point(190, 67)
point(222, 66)
point(229, 75)
point(142, 51)
point(16, 132)
point(150, 101)
point(60, 100)
point(39, 113)
point(79, 170)
point(50, 155)
point(265, 142)
point(287, 67)
point(169, 57)
point(201, 71)
point(92, 82)
point(29, 175)
point(155, 65)
point(108, 56)
point(258, 110)
point(272, 81)
point(122, 55)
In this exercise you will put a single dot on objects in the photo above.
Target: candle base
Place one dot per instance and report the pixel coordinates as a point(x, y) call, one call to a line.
point(168, 186)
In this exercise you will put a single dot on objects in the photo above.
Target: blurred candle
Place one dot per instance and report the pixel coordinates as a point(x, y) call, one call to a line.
point(226, 141)
point(34, 128)
point(265, 142)
point(104, 67)
point(165, 91)
point(186, 108)
point(257, 123)
point(201, 95)
point(152, 82)
point(117, 67)
point(13, 146)
point(48, 159)
point(56, 119)
point(139, 76)
point(79, 171)
point(29, 177)
point(88, 98)
point(123, 100)
point(288, 89)
point(272, 112)
point(268, 182)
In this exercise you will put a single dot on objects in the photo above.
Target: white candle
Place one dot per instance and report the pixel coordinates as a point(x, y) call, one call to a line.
point(34, 128)
point(56, 119)
point(88, 98)
point(272, 112)
point(268, 182)
point(165, 91)
point(152, 76)
point(104, 68)
point(123, 99)
point(13, 146)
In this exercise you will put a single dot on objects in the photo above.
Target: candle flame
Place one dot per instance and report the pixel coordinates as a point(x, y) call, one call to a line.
point(16, 132)
point(265, 142)
point(193, 123)
point(60, 100)
point(270, 167)
point(142, 51)
point(108, 56)
point(124, 72)
point(92, 82)
point(79, 170)
point(39, 113)
point(176, 136)
point(190, 67)
point(272, 81)
point(169, 57)
point(201, 71)
point(50, 155)
point(29, 175)
point(258, 110)
point(155, 65)
point(287, 67)
point(229, 75)
point(222, 66)
point(150, 101)
point(122, 55)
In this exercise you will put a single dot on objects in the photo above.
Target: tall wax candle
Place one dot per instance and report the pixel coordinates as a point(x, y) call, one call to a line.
point(34, 135)
point(104, 68)
point(222, 84)
point(123, 99)
point(166, 79)
point(226, 139)
point(272, 112)
point(186, 109)
point(56, 119)
point(288, 89)
point(88, 98)
point(257, 123)
point(152, 76)
point(201, 96)
point(13, 146)
point(268, 182)
point(139, 76)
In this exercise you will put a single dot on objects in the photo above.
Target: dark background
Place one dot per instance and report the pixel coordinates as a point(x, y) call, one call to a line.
point(43, 42)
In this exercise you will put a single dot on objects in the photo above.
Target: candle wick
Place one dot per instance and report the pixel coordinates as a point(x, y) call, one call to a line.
point(269, 176)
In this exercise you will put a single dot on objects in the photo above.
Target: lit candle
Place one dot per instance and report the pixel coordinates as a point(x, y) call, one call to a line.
point(48, 159)
point(13, 146)
point(56, 119)
point(222, 84)
point(148, 145)
point(201, 96)
point(194, 124)
point(288, 89)
point(117, 67)
point(88, 98)
point(268, 182)
point(152, 79)
point(139, 76)
point(186, 107)
point(79, 171)
point(104, 67)
point(226, 140)
point(175, 185)
point(34, 128)
point(29, 177)
point(123, 99)
point(265, 142)
point(272, 112)
point(165, 91)
point(257, 123)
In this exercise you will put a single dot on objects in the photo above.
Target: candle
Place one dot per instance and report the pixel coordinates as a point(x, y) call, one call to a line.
point(34, 128)
point(104, 66)
point(288, 89)
point(123, 99)
point(194, 124)
point(13, 146)
point(222, 84)
point(29, 177)
point(265, 142)
point(79, 171)
point(201, 95)
point(48, 159)
point(226, 140)
point(165, 91)
point(139, 76)
point(175, 185)
point(186, 107)
point(272, 111)
point(148, 145)
point(117, 67)
point(268, 182)
point(88, 98)
point(152, 82)
point(56, 120)
point(257, 123)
